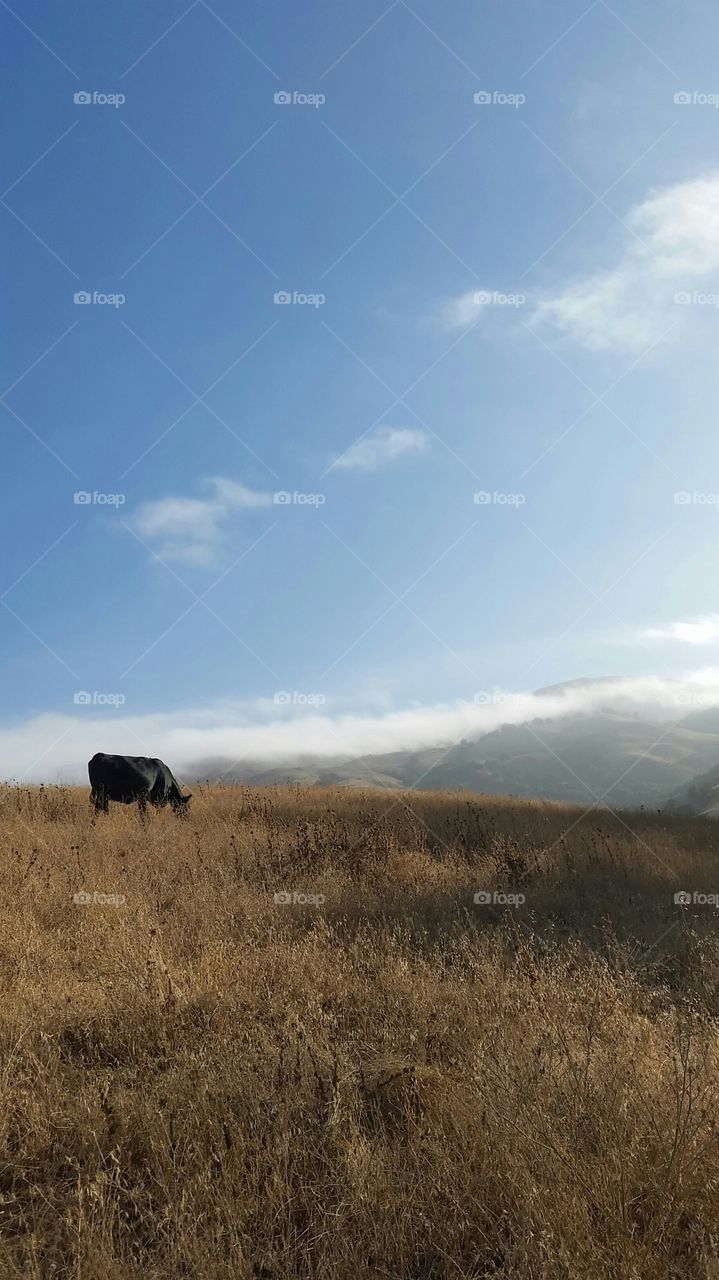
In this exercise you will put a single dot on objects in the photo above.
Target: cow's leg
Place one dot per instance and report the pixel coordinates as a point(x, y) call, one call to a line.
point(156, 795)
point(142, 804)
point(99, 801)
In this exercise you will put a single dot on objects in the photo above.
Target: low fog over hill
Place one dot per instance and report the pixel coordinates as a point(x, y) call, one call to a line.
point(608, 756)
point(630, 741)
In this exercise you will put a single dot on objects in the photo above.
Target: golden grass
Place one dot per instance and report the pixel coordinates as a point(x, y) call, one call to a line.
point(204, 1083)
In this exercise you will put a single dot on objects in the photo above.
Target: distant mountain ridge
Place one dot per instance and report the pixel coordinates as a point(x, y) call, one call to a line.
point(580, 682)
point(700, 796)
point(607, 757)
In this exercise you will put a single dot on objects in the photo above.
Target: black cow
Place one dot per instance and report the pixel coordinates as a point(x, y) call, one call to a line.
point(130, 778)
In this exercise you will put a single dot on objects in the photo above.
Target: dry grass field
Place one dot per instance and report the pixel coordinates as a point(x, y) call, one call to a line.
point(397, 1081)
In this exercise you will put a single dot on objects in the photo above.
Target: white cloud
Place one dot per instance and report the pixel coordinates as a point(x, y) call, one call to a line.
point(383, 445)
point(190, 529)
point(672, 247)
point(467, 308)
point(56, 747)
point(704, 630)
point(460, 312)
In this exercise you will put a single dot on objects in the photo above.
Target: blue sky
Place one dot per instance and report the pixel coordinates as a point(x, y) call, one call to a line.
point(514, 297)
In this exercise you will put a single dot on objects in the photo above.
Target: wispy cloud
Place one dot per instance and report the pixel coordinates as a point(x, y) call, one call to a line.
point(671, 247)
point(666, 268)
point(190, 529)
point(380, 447)
point(460, 312)
point(262, 730)
point(467, 308)
point(697, 631)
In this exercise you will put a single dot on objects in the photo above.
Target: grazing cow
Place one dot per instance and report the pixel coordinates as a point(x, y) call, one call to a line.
point(130, 778)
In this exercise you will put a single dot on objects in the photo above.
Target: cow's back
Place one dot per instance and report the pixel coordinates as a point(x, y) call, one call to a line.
point(128, 778)
point(122, 777)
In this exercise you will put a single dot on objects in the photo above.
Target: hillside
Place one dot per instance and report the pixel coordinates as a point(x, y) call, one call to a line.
point(580, 758)
point(700, 796)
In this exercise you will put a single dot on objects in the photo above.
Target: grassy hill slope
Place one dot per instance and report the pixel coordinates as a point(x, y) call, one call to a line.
point(621, 759)
point(373, 1074)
